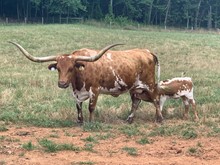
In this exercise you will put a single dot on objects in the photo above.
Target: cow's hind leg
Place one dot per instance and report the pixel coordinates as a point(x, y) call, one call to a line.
point(135, 104)
point(79, 110)
point(92, 104)
point(158, 106)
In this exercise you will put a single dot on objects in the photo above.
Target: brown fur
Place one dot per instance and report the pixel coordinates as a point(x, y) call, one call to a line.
point(127, 65)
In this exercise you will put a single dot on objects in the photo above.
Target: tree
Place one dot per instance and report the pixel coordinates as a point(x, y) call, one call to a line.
point(167, 11)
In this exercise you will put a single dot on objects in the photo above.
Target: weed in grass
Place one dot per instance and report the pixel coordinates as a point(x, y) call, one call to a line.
point(69, 134)
point(28, 146)
point(163, 131)
point(130, 150)
point(21, 154)
point(89, 147)
point(199, 144)
point(94, 127)
point(105, 136)
point(143, 141)
point(50, 146)
point(54, 135)
point(2, 138)
point(90, 139)
point(193, 151)
point(3, 129)
point(130, 130)
point(189, 133)
point(69, 147)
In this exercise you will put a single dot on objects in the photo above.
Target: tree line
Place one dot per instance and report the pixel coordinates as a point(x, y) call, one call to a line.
point(176, 13)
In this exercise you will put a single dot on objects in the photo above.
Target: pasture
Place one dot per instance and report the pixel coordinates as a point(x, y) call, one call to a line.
point(32, 103)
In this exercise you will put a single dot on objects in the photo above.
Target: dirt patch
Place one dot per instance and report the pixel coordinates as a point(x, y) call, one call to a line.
point(109, 149)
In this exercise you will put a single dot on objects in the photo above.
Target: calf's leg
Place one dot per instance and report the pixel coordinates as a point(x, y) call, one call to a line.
point(193, 103)
point(186, 105)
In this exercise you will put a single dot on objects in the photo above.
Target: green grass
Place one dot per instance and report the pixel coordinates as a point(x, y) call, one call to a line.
point(29, 92)
point(143, 141)
point(51, 146)
point(3, 128)
point(130, 150)
point(28, 146)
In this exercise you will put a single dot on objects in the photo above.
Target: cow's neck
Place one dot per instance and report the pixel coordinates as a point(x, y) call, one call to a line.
point(77, 82)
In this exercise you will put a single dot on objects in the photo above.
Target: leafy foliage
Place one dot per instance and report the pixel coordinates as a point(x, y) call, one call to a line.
point(178, 13)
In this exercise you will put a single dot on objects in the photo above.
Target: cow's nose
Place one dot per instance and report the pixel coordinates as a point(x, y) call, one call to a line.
point(63, 84)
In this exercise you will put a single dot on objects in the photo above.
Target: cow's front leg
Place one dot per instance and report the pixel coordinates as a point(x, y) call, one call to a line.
point(135, 104)
point(92, 105)
point(193, 103)
point(79, 110)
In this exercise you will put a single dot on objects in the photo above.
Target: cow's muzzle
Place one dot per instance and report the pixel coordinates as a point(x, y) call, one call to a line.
point(62, 84)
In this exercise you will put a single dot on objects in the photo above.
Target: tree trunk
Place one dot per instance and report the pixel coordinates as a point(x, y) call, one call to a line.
point(18, 16)
point(216, 17)
point(197, 14)
point(210, 18)
point(111, 8)
point(150, 12)
point(187, 22)
point(166, 16)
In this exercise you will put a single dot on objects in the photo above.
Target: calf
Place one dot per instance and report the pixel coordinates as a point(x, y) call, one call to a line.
point(179, 87)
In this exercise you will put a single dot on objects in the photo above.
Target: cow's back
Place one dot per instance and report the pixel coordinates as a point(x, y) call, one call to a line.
point(120, 70)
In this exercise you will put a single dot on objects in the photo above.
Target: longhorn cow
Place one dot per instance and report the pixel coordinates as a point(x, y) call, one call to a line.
point(91, 72)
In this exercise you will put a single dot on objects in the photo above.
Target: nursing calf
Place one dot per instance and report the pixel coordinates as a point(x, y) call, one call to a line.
point(180, 87)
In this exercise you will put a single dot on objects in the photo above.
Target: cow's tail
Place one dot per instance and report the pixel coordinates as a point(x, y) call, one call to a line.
point(158, 69)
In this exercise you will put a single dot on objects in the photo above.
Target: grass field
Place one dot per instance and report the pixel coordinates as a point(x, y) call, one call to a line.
point(29, 92)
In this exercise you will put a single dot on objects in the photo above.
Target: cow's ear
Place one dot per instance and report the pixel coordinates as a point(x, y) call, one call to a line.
point(52, 67)
point(80, 66)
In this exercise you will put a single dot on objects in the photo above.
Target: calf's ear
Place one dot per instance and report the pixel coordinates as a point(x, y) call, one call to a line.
point(52, 67)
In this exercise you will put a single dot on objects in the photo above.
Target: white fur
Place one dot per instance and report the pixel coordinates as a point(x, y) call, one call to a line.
point(83, 94)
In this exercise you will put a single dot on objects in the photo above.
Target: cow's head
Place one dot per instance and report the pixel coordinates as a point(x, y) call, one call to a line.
point(66, 65)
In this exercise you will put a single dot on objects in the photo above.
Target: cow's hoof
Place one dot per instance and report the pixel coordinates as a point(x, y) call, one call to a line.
point(130, 120)
point(185, 117)
point(80, 122)
point(159, 120)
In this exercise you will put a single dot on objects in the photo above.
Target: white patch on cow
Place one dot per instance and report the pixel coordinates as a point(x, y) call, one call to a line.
point(131, 115)
point(91, 94)
point(163, 98)
point(175, 79)
point(118, 84)
point(188, 93)
point(70, 57)
point(148, 50)
point(109, 56)
point(139, 84)
point(83, 94)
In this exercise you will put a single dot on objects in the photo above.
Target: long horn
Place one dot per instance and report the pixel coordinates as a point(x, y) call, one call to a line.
point(32, 58)
point(96, 57)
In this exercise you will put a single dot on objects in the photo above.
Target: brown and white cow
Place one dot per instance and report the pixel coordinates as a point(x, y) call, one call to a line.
point(179, 87)
point(91, 72)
